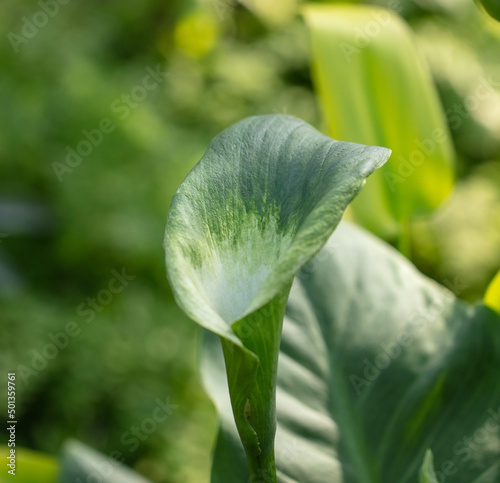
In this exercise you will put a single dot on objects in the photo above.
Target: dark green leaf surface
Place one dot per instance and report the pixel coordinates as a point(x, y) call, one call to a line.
point(492, 7)
point(378, 364)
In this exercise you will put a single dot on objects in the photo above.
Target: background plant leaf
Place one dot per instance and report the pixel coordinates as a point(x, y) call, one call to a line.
point(31, 466)
point(81, 463)
point(427, 474)
point(375, 88)
point(492, 297)
point(377, 365)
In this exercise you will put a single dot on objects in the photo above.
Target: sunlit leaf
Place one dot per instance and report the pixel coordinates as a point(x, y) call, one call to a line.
point(375, 88)
point(274, 12)
point(30, 466)
point(492, 297)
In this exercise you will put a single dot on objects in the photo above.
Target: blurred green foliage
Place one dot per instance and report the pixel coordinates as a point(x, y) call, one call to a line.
point(61, 239)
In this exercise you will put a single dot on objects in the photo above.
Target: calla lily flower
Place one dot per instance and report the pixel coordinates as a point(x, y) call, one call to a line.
point(259, 205)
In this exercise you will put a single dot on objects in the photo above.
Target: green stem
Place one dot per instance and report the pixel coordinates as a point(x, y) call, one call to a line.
point(252, 384)
point(263, 468)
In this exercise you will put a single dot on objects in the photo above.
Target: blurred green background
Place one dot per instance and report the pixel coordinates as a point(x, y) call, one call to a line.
point(66, 231)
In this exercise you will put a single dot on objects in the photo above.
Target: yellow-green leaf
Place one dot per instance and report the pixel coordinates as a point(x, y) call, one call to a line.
point(375, 88)
point(29, 467)
point(492, 297)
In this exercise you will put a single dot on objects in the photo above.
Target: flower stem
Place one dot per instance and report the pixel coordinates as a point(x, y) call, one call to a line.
point(263, 468)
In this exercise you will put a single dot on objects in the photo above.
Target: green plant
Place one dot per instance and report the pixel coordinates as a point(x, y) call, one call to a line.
point(378, 365)
point(260, 204)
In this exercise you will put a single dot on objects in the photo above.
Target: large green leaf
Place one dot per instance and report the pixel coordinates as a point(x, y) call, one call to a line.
point(259, 205)
point(375, 88)
point(378, 364)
